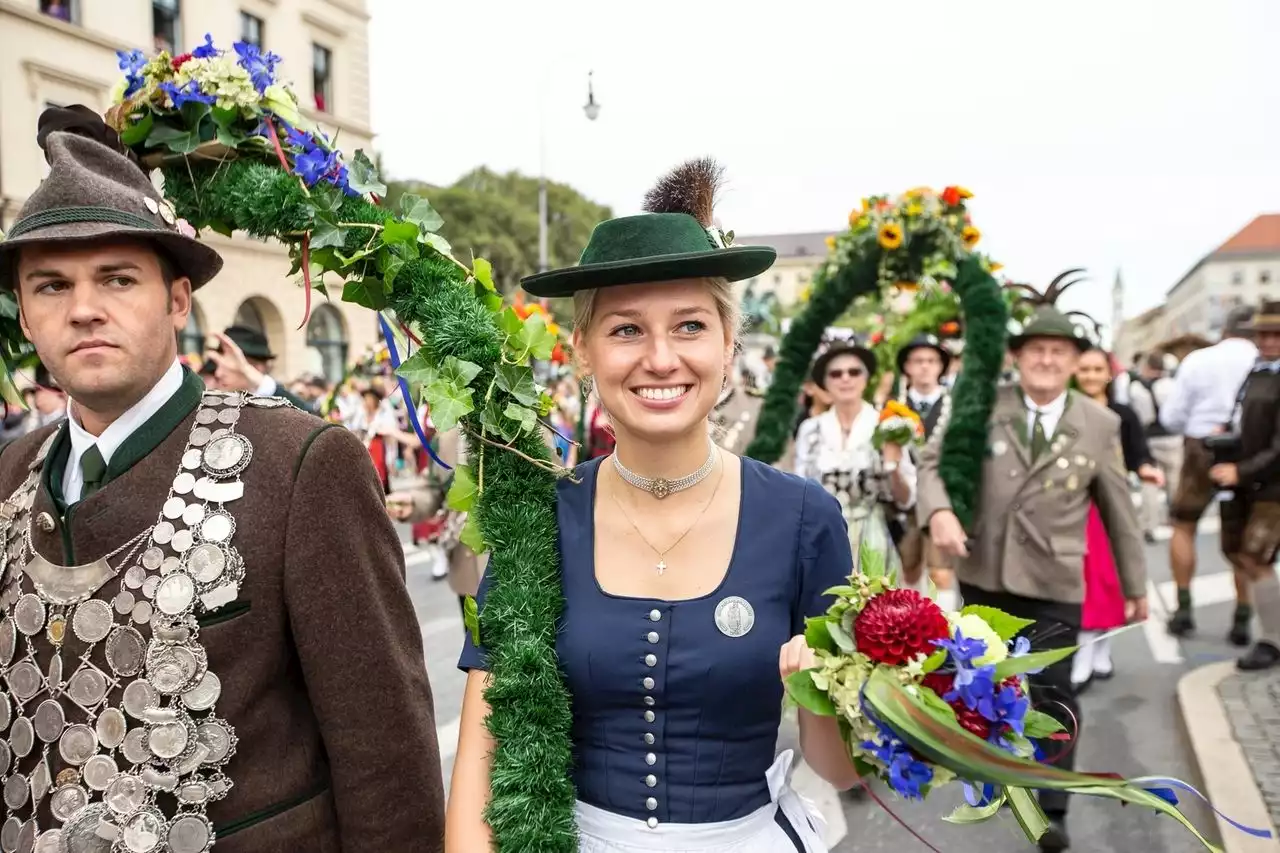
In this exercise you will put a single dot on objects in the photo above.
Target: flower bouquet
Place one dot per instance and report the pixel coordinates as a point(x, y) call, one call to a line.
point(926, 698)
point(898, 425)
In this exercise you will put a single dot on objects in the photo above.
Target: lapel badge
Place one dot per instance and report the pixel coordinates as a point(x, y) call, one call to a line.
point(735, 616)
point(999, 447)
point(1048, 483)
point(1062, 462)
point(1081, 460)
point(1073, 482)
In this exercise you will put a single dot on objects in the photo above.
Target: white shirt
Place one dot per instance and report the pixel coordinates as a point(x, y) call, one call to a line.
point(918, 400)
point(116, 433)
point(823, 446)
point(1205, 388)
point(1050, 414)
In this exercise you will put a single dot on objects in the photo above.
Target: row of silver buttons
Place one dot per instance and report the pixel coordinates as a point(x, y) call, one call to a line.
point(651, 660)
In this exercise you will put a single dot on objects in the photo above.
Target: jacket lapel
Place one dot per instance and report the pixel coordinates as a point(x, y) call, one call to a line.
point(1011, 416)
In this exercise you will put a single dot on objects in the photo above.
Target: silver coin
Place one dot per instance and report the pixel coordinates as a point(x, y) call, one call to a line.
point(41, 781)
point(170, 564)
point(142, 612)
point(87, 687)
point(200, 437)
point(217, 527)
point(173, 508)
point(134, 577)
point(204, 695)
point(5, 757)
point(227, 455)
point(27, 837)
point(92, 620)
point(168, 740)
point(175, 594)
point(149, 586)
point(50, 841)
point(206, 562)
point(22, 737)
point(216, 736)
point(162, 532)
point(125, 794)
point(134, 748)
point(193, 515)
point(138, 697)
point(125, 648)
point(80, 834)
point(68, 800)
point(49, 720)
point(174, 667)
point(735, 616)
point(144, 831)
point(24, 680)
point(229, 416)
point(206, 416)
point(184, 539)
point(4, 713)
point(185, 482)
point(98, 771)
point(29, 614)
point(218, 433)
point(191, 460)
point(111, 728)
point(151, 558)
point(189, 834)
point(8, 640)
point(15, 792)
point(9, 834)
point(78, 744)
point(124, 602)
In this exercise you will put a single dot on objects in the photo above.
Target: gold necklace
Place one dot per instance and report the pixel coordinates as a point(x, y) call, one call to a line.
point(662, 554)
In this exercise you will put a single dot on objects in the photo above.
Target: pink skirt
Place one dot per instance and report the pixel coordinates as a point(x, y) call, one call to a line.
point(1103, 598)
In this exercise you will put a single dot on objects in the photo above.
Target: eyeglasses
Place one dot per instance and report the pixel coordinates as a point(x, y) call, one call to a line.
point(851, 372)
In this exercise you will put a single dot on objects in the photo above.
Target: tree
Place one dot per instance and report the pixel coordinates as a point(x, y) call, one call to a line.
point(495, 216)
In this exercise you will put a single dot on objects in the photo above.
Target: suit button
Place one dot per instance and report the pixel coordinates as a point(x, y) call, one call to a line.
point(648, 738)
point(655, 615)
point(651, 804)
point(650, 660)
point(651, 781)
point(651, 759)
point(649, 716)
point(652, 823)
point(45, 522)
point(648, 683)
point(653, 637)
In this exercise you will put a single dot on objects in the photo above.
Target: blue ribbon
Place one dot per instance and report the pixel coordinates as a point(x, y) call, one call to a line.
point(390, 338)
point(1148, 782)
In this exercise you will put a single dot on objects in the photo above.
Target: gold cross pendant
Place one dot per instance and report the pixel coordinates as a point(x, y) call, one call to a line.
point(662, 566)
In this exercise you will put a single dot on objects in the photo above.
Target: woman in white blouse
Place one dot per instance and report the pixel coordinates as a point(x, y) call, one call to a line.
point(835, 449)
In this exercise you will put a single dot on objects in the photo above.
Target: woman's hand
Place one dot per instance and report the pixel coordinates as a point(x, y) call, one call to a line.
point(1149, 473)
point(891, 453)
point(794, 656)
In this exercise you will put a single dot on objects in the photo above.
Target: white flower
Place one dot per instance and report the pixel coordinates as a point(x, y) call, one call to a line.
point(974, 627)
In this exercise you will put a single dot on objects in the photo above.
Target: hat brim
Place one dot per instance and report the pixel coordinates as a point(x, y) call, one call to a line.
point(193, 259)
point(909, 348)
point(819, 372)
point(734, 263)
point(1017, 342)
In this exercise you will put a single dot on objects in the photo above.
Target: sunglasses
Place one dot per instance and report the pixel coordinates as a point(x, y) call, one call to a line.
point(851, 372)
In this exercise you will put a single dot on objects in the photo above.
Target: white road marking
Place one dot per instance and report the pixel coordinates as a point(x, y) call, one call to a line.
point(1164, 647)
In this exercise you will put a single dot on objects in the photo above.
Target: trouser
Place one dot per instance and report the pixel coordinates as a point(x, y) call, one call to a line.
point(1056, 625)
point(1166, 450)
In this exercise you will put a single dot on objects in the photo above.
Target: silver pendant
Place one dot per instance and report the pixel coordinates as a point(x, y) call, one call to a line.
point(190, 834)
point(735, 616)
point(227, 455)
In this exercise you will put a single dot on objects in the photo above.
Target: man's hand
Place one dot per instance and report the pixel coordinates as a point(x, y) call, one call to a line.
point(1151, 474)
point(1135, 609)
point(947, 534)
point(1225, 474)
point(234, 372)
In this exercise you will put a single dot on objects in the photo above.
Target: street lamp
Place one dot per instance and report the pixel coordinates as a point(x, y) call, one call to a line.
point(592, 111)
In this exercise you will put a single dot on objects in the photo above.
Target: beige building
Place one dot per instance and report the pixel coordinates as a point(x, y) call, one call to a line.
point(57, 52)
point(799, 256)
point(1242, 271)
point(1140, 334)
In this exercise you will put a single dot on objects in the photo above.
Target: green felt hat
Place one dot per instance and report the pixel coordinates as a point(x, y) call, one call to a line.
point(1049, 322)
point(674, 240)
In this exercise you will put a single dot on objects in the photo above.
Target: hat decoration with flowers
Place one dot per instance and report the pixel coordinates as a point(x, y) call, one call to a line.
point(675, 238)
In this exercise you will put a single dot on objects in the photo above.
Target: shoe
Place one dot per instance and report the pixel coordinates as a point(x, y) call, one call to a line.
point(1181, 623)
point(1055, 837)
point(1262, 656)
point(1104, 674)
point(1239, 634)
point(1082, 687)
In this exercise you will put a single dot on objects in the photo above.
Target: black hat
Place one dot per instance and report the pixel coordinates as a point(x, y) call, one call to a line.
point(251, 342)
point(819, 372)
point(916, 343)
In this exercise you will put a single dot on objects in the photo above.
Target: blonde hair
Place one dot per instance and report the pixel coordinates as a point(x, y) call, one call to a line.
point(584, 307)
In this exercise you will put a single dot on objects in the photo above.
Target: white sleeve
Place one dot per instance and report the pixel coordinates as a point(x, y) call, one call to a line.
point(805, 458)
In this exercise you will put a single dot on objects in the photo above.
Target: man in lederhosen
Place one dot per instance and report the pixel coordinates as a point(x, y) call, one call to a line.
point(204, 626)
point(1052, 453)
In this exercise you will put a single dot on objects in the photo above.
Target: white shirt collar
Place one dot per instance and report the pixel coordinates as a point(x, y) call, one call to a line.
point(116, 433)
point(926, 398)
point(1054, 408)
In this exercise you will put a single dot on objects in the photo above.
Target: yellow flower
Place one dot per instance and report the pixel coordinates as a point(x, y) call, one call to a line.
point(831, 243)
point(964, 193)
point(974, 627)
point(866, 205)
point(914, 209)
point(970, 236)
point(853, 217)
point(890, 235)
point(862, 222)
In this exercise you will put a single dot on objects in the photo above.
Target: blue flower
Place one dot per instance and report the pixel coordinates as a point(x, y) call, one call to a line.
point(261, 67)
point(205, 50)
point(905, 773)
point(312, 165)
point(1005, 706)
point(963, 652)
point(972, 685)
point(978, 795)
point(1022, 648)
point(132, 62)
point(298, 138)
point(187, 94)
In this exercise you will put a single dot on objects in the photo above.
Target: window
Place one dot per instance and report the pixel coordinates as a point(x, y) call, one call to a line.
point(191, 338)
point(165, 24)
point(63, 10)
point(250, 29)
point(327, 335)
point(322, 77)
point(1237, 277)
point(1264, 277)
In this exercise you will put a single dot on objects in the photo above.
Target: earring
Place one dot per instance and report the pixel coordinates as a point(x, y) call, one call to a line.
point(588, 384)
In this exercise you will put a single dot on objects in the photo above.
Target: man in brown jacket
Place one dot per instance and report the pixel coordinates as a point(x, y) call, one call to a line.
point(1052, 453)
point(204, 627)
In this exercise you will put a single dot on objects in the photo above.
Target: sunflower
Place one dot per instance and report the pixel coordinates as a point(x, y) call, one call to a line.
point(970, 236)
point(890, 235)
point(831, 243)
point(854, 216)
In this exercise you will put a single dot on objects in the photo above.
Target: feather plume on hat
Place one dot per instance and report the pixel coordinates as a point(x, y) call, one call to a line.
point(688, 188)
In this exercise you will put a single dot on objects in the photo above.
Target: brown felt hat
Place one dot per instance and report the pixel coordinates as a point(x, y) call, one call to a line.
point(1265, 320)
point(95, 193)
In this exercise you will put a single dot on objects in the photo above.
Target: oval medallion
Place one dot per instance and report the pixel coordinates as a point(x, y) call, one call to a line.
point(138, 697)
point(217, 527)
point(4, 758)
point(24, 680)
point(28, 614)
point(134, 748)
point(55, 671)
point(204, 417)
point(174, 667)
point(9, 834)
point(78, 744)
point(204, 695)
point(184, 539)
point(190, 461)
point(227, 455)
point(175, 594)
point(144, 831)
point(68, 800)
point(189, 834)
point(149, 586)
point(185, 482)
point(80, 834)
point(40, 781)
point(151, 558)
point(8, 640)
point(168, 740)
point(98, 771)
point(92, 620)
point(229, 416)
point(162, 532)
point(87, 687)
point(206, 562)
point(27, 837)
point(15, 792)
point(111, 728)
point(125, 647)
point(4, 712)
point(125, 794)
point(200, 437)
point(171, 564)
point(49, 720)
point(216, 736)
point(142, 612)
point(22, 737)
point(50, 841)
point(735, 616)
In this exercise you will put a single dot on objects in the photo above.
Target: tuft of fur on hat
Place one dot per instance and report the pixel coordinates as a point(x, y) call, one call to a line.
point(688, 188)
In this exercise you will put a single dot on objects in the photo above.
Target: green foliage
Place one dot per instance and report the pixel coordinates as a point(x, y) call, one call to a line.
point(1038, 725)
point(1005, 625)
point(807, 695)
point(1033, 661)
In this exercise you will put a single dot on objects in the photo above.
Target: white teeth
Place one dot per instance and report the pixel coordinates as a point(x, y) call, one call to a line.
point(662, 393)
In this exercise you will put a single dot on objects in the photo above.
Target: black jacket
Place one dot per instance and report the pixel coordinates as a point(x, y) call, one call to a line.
point(1259, 465)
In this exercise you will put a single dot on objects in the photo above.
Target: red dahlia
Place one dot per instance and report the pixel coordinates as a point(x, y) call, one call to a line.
point(972, 722)
point(897, 625)
point(180, 60)
point(939, 682)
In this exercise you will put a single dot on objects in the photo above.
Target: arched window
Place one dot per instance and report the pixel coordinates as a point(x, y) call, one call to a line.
point(327, 335)
point(191, 338)
point(249, 316)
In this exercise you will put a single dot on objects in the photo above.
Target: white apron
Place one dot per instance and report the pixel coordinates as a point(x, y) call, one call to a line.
point(603, 831)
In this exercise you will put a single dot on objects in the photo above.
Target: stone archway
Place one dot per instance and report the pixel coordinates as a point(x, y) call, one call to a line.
point(261, 314)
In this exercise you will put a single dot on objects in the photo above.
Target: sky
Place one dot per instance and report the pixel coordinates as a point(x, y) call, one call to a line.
point(1114, 135)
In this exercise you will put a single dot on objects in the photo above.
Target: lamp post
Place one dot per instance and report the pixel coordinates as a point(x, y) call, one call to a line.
point(592, 111)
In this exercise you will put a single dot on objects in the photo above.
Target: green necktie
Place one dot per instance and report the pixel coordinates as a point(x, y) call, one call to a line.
point(94, 470)
point(1039, 441)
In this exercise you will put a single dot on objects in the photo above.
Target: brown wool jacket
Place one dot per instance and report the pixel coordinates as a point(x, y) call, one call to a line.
point(320, 657)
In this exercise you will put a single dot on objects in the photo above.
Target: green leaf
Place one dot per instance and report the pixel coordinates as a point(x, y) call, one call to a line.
point(844, 591)
point(325, 231)
point(524, 416)
point(368, 292)
point(447, 404)
point(362, 175)
point(193, 112)
point(816, 635)
point(458, 372)
point(471, 536)
point(220, 227)
point(471, 615)
point(1006, 626)
point(1040, 725)
point(933, 661)
point(870, 561)
point(965, 814)
point(517, 380)
point(841, 637)
point(509, 321)
point(800, 687)
point(138, 131)
point(546, 404)
point(348, 260)
point(394, 231)
point(438, 243)
point(224, 117)
point(418, 369)
point(535, 339)
point(390, 264)
point(1026, 809)
point(483, 271)
point(462, 491)
point(1036, 660)
point(494, 423)
point(227, 137)
point(936, 703)
point(178, 140)
point(420, 212)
